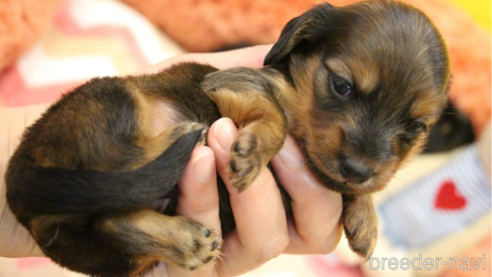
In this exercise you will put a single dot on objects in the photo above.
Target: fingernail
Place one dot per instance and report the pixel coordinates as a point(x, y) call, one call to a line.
point(290, 156)
point(224, 133)
point(203, 168)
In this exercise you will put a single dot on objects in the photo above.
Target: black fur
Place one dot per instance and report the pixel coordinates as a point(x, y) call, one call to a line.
point(310, 26)
point(91, 191)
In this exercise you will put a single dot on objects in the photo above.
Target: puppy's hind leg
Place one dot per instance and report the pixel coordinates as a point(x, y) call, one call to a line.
point(149, 237)
point(153, 147)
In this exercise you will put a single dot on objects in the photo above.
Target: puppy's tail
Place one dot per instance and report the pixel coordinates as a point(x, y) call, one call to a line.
point(35, 190)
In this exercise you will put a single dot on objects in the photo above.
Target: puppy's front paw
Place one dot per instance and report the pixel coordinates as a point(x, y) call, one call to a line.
point(195, 245)
point(246, 160)
point(361, 225)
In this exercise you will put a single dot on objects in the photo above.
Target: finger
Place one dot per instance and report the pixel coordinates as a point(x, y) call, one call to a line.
point(316, 228)
point(261, 226)
point(199, 200)
point(250, 57)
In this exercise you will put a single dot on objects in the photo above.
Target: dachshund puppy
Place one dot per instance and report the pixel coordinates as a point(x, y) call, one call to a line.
point(94, 180)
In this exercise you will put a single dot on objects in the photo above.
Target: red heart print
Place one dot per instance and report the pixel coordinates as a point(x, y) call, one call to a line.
point(448, 198)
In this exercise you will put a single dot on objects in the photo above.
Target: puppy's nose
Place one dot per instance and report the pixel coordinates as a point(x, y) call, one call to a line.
point(355, 171)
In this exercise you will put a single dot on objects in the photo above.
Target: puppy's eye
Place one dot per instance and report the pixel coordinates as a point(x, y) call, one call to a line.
point(415, 128)
point(341, 86)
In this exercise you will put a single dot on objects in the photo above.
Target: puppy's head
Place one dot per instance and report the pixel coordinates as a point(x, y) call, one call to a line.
point(370, 80)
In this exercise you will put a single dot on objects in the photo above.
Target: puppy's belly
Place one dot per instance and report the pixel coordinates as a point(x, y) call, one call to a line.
point(159, 116)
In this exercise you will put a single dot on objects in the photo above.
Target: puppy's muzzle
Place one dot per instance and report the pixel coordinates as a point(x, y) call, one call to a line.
point(355, 171)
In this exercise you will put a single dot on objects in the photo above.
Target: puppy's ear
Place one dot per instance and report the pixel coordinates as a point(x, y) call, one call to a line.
point(311, 25)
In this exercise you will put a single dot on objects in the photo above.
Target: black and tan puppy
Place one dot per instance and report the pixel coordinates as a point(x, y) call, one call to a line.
point(94, 180)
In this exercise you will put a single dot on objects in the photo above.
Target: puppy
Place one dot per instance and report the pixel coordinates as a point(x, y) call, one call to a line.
point(94, 180)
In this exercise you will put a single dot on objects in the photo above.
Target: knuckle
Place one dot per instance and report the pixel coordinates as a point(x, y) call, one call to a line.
point(267, 254)
point(326, 248)
point(327, 245)
point(272, 249)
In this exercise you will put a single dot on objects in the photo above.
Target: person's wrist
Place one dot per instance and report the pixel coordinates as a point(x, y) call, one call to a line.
point(15, 240)
point(249, 57)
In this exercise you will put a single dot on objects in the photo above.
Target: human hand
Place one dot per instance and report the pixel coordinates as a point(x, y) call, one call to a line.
point(262, 229)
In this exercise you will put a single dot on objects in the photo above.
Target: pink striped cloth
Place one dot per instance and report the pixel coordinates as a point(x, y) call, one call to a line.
point(88, 39)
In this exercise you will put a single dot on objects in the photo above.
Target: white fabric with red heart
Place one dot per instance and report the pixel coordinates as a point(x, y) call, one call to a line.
point(440, 204)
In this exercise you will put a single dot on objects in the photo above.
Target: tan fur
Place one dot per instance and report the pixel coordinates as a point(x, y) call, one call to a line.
point(261, 135)
point(154, 146)
point(298, 103)
point(360, 223)
point(366, 74)
point(164, 238)
point(340, 68)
